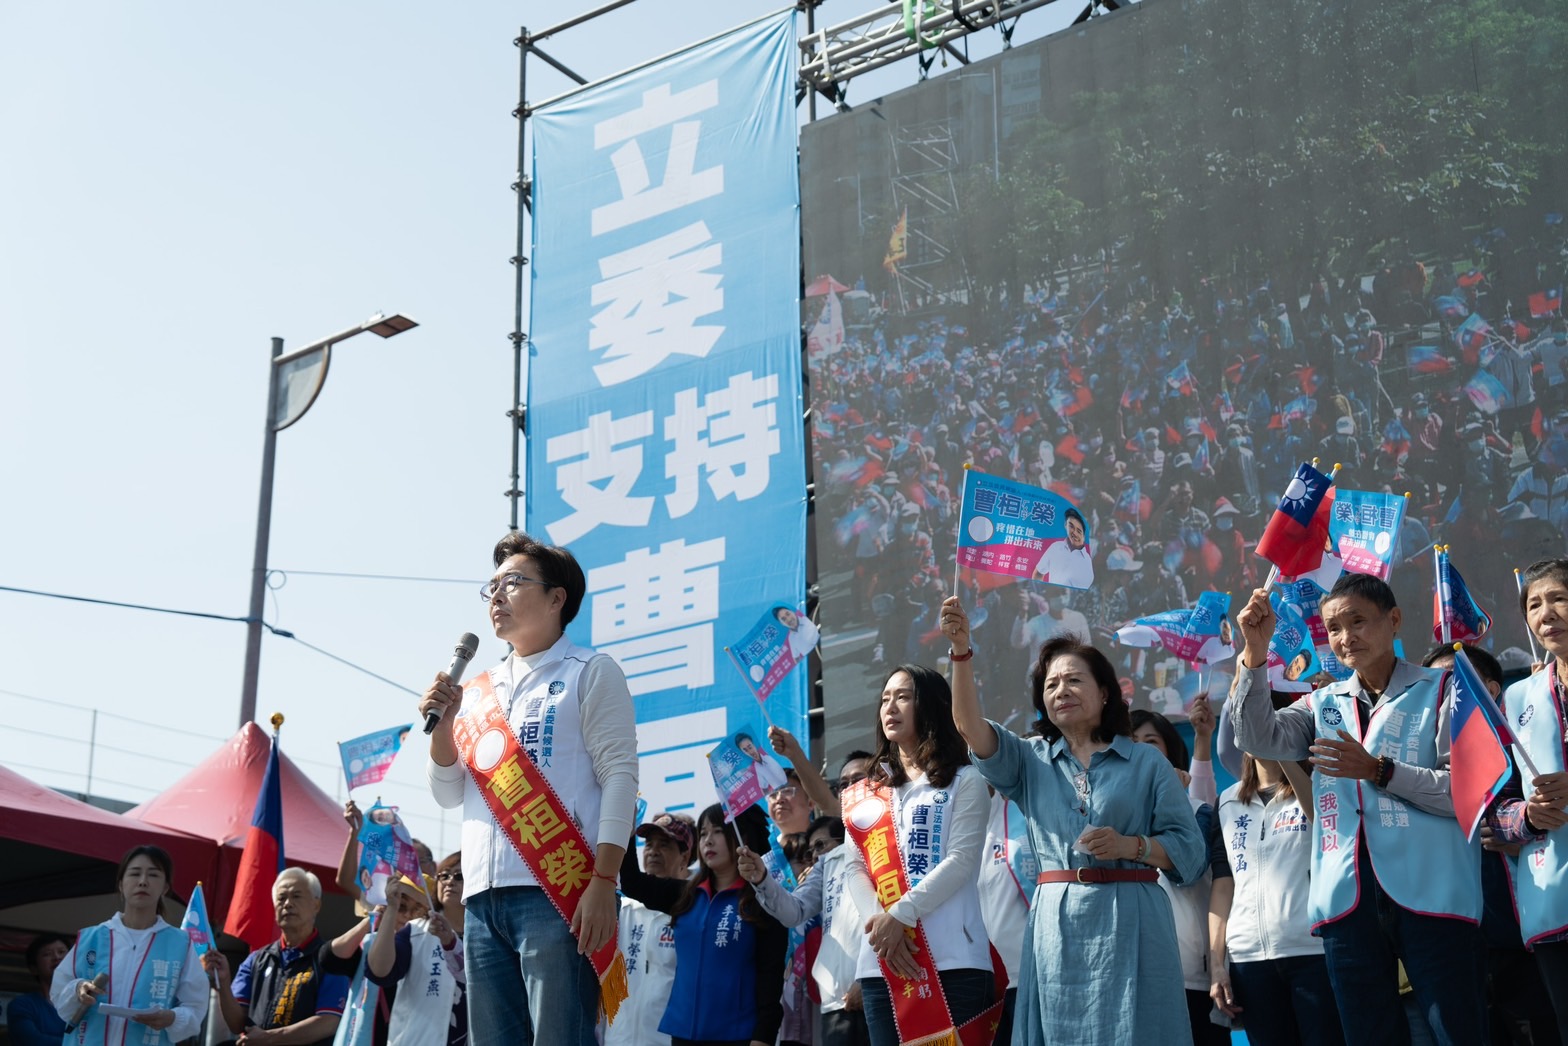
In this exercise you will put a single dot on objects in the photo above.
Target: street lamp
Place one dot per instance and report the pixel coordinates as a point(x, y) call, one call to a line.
point(293, 383)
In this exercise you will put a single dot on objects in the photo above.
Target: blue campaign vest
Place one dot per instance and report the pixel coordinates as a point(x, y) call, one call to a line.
point(1540, 872)
point(157, 979)
point(1421, 860)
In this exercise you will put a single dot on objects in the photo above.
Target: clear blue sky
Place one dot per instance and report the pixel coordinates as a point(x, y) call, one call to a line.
point(182, 182)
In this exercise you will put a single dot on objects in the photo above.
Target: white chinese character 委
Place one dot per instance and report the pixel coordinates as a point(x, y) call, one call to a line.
point(652, 296)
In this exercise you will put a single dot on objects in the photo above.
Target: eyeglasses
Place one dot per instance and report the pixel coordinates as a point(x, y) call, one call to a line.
point(449, 877)
point(508, 583)
point(822, 847)
point(1084, 792)
point(847, 780)
point(787, 792)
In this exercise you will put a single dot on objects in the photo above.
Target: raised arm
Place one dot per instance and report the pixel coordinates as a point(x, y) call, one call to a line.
point(811, 779)
point(1260, 729)
point(977, 733)
point(348, 864)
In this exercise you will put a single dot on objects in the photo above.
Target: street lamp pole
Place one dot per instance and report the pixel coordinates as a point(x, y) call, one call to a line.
point(305, 371)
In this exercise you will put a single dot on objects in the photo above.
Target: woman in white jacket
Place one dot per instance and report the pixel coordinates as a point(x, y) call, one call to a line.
point(1266, 965)
point(150, 974)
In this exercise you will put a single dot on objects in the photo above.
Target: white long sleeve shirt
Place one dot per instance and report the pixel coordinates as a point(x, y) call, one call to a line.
point(190, 996)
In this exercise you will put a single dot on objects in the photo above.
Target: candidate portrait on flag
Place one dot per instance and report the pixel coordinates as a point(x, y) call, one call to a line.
point(1012, 528)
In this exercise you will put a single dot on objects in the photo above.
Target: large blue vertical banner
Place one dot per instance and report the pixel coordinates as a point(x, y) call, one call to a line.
point(665, 443)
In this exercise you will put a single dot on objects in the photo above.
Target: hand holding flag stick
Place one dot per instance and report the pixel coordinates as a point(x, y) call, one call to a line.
point(1297, 533)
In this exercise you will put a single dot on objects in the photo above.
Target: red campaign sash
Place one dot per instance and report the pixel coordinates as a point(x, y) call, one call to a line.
point(919, 1005)
point(534, 821)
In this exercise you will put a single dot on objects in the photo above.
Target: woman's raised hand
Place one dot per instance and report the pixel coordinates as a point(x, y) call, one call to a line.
point(955, 625)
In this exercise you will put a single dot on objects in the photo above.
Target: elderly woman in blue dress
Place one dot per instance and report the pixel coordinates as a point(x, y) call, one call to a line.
point(1105, 815)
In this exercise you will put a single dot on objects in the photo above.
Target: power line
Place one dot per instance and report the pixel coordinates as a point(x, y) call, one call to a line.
point(380, 577)
point(280, 632)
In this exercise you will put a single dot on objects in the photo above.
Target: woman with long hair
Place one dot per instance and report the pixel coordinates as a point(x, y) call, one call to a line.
point(1105, 816)
point(729, 952)
point(1190, 900)
point(1264, 962)
point(145, 965)
point(918, 823)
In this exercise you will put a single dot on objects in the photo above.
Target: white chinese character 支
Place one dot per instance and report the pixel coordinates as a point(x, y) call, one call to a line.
point(596, 468)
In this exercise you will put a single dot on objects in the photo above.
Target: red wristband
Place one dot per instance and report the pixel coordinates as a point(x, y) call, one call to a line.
point(607, 878)
point(965, 656)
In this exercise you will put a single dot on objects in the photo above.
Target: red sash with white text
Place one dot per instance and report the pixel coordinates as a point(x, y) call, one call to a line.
point(534, 821)
point(919, 1004)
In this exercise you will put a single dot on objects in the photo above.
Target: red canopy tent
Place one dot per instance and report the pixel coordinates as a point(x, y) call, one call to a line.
point(47, 833)
point(217, 798)
point(824, 285)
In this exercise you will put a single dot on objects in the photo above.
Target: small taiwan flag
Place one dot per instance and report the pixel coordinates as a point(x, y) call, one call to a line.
point(1479, 766)
point(1297, 533)
point(1546, 303)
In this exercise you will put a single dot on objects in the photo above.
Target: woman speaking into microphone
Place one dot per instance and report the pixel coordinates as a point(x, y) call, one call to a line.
point(133, 968)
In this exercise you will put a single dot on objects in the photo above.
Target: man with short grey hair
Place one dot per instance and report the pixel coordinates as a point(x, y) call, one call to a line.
point(281, 996)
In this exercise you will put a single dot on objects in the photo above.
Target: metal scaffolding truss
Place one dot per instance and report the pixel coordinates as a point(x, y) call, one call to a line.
point(924, 190)
point(834, 55)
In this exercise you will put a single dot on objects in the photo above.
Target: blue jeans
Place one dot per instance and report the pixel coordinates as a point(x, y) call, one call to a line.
point(1444, 958)
point(1287, 1002)
point(968, 993)
point(524, 972)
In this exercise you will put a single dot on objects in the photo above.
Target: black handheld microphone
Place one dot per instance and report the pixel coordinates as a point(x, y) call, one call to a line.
point(466, 646)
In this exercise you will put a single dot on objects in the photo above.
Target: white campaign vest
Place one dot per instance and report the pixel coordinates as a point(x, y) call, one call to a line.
point(544, 711)
point(422, 1010)
point(648, 943)
point(1003, 904)
point(1190, 908)
point(834, 970)
point(1540, 872)
point(1270, 850)
point(922, 818)
point(1421, 860)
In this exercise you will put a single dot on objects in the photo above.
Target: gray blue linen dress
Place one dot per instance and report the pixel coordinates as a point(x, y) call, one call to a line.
point(1100, 963)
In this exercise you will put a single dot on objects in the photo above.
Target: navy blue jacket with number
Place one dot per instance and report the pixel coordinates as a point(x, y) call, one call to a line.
point(729, 992)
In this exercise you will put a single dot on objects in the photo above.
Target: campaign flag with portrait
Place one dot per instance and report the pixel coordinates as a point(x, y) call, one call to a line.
point(1364, 527)
point(1011, 528)
point(367, 759)
point(1194, 634)
point(196, 924)
point(386, 851)
point(782, 639)
point(744, 771)
point(1292, 658)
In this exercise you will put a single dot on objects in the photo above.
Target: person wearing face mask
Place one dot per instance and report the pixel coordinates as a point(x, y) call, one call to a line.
point(1543, 487)
point(151, 966)
point(1236, 475)
point(1236, 572)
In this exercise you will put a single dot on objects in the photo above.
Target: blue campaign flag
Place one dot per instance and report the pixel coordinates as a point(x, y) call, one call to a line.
point(196, 924)
point(1007, 527)
point(665, 410)
point(367, 759)
point(765, 655)
point(1454, 606)
point(1364, 527)
point(1292, 658)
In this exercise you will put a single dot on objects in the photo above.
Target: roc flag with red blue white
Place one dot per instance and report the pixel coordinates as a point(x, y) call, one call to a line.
point(1472, 334)
point(1479, 766)
point(1179, 380)
point(250, 915)
point(1453, 605)
point(1545, 303)
point(1297, 533)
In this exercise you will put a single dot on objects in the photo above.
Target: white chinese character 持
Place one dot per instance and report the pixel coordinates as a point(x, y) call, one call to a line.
point(730, 436)
point(683, 183)
point(596, 469)
point(652, 297)
point(650, 592)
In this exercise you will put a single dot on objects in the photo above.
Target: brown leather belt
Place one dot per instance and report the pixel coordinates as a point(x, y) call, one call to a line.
point(1099, 875)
